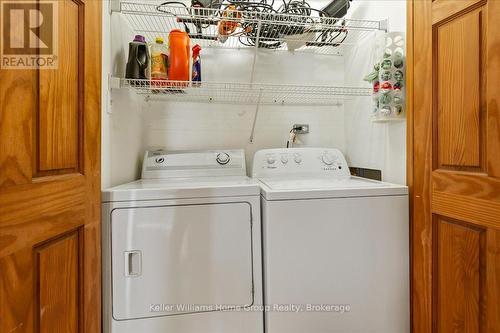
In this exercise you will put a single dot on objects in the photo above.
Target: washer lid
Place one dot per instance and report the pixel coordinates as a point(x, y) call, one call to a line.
point(182, 188)
point(287, 188)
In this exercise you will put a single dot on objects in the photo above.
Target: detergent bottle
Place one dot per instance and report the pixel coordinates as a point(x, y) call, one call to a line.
point(179, 43)
point(159, 62)
point(138, 60)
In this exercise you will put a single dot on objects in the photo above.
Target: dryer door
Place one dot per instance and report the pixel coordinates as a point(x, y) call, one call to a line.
point(181, 259)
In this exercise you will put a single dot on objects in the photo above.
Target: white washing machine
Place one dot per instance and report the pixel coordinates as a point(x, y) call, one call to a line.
point(182, 247)
point(336, 247)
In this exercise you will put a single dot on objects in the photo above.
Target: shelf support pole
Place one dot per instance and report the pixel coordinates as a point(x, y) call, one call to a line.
point(259, 25)
point(252, 132)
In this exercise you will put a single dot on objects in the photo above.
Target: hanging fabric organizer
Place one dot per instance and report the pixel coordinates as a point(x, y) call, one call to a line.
point(388, 79)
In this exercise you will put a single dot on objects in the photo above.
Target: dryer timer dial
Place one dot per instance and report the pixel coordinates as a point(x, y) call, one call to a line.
point(223, 158)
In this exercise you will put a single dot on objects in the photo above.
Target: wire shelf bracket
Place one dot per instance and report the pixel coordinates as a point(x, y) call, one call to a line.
point(114, 6)
point(384, 25)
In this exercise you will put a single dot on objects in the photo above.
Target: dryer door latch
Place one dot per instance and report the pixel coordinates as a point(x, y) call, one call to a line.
point(133, 263)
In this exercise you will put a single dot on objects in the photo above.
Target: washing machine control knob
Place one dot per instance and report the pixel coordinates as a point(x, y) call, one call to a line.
point(297, 158)
point(284, 159)
point(328, 159)
point(271, 160)
point(223, 158)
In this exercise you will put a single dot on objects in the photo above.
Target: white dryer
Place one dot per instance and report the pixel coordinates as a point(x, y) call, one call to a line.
point(336, 247)
point(182, 247)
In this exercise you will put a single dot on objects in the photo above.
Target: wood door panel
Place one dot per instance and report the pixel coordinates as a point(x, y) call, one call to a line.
point(15, 163)
point(478, 186)
point(40, 287)
point(58, 285)
point(467, 197)
point(59, 113)
point(16, 283)
point(483, 212)
point(57, 225)
point(455, 189)
point(50, 184)
point(458, 83)
point(459, 269)
point(51, 200)
point(444, 9)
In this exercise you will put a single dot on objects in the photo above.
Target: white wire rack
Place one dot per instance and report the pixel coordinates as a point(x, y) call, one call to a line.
point(228, 28)
point(242, 93)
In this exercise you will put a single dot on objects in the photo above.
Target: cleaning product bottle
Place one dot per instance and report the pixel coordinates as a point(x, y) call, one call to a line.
point(159, 62)
point(138, 60)
point(179, 56)
point(196, 73)
point(228, 25)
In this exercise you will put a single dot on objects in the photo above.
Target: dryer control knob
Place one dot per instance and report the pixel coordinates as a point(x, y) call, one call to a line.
point(297, 158)
point(284, 159)
point(223, 158)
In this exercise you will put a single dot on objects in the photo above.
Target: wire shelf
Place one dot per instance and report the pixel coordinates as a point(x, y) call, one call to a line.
point(229, 28)
point(242, 93)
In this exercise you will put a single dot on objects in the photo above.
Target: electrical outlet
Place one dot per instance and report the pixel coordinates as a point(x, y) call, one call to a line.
point(301, 128)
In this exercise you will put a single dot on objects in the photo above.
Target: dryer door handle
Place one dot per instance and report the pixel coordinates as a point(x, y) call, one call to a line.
point(133, 263)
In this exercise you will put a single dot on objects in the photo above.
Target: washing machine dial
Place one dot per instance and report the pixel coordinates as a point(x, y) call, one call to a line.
point(284, 159)
point(328, 159)
point(271, 160)
point(223, 158)
point(297, 158)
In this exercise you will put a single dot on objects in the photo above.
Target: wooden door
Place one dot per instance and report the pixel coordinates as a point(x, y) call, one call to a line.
point(455, 189)
point(50, 278)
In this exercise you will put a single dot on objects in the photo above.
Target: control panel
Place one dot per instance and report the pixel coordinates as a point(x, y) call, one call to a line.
point(159, 164)
point(283, 161)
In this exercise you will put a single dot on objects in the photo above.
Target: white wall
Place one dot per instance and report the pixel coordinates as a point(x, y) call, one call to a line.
point(131, 125)
point(207, 126)
point(373, 145)
point(122, 116)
